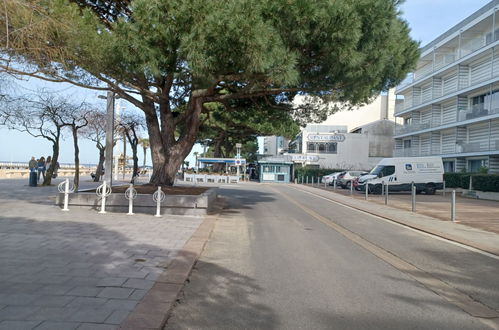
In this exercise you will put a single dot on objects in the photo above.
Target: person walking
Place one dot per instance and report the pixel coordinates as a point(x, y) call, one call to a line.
point(32, 165)
point(41, 168)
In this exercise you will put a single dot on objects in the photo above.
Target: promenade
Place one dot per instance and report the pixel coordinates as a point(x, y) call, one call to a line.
point(78, 269)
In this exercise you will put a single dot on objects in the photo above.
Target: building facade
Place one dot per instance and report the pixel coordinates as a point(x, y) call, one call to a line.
point(275, 145)
point(449, 106)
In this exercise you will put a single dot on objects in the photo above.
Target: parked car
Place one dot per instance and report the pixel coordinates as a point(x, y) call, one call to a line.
point(330, 177)
point(426, 173)
point(344, 181)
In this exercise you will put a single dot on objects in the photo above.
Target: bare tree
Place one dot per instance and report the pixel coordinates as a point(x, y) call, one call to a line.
point(75, 118)
point(131, 125)
point(96, 131)
point(39, 116)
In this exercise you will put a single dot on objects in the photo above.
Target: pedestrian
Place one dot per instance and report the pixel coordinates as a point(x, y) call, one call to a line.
point(32, 165)
point(41, 168)
point(48, 162)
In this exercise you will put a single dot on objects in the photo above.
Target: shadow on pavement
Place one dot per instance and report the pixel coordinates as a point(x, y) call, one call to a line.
point(220, 296)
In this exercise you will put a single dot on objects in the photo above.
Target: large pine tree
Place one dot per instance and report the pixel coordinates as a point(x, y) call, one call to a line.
point(172, 58)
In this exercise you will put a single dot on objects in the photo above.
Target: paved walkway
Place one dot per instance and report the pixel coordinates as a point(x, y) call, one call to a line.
point(482, 214)
point(461, 232)
point(77, 269)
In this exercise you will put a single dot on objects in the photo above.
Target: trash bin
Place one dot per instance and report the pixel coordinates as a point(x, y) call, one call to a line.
point(33, 179)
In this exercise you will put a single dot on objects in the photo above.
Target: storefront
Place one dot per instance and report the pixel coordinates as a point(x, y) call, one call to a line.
point(280, 171)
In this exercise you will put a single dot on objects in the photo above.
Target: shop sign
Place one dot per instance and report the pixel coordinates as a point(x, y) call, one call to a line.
point(304, 158)
point(326, 138)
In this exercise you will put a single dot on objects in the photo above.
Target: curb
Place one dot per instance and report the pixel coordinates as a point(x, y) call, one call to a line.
point(424, 229)
point(154, 309)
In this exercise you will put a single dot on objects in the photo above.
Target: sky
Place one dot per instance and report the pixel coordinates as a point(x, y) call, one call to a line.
point(427, 19)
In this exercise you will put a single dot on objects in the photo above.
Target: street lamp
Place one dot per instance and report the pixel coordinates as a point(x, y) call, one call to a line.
point(238, 157)
point(108, 163)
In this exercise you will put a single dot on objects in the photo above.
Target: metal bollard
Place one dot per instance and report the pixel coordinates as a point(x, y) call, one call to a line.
point(453, 207)
point(66, 188)
point(103, 191)
point(158, 197)
point(382, 188)
point(367, 190)
point(351, 187)
point(413, 193)
point(130, 194)
point(296, 181)
point(313, 181)
point(334, 184)
point(386, 194)
point(443, 187)
point(307, 179)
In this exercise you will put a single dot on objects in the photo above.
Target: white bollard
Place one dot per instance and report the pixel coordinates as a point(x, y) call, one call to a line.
point(334, 184)
point(296, 181)
point(453, 207)
point(66, 188)
point(130, 194)
point(158, 197)
point(413, 193)
point(367, 190)
point(103, 191)
point(443, 191)
point(386, 194)
point(351, 187)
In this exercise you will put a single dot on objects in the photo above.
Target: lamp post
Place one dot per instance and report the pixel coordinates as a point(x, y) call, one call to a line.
point(238, 157)
point(108, 163)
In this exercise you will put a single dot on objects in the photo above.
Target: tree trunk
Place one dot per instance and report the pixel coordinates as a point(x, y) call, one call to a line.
point(145, 154)
point(168, 152)
point(100, 165)
point(53, 164)
point(77, 159)
point(217, 153)
point(135, 160)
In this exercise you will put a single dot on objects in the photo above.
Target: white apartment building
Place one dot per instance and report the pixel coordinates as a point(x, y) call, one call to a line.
point(274, 145)
point(449, 106)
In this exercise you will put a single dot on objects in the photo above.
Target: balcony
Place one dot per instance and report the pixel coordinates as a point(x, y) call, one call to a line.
point(463, 114)
point(461, 148)
point(412, 128)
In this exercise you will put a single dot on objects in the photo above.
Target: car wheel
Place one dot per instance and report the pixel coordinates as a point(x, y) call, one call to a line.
point(376, 189)
point(347, 186)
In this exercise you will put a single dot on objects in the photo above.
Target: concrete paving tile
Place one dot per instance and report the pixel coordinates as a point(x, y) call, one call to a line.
point(22, 299)
point(94, 326)
point(83, 281)
point(54, 289)
point(53, 314)
point(121, 304)
point(50, 325)
point(137, 283)
point(85, 291)
point(55, 279)
point(17, 312)
point(53, 301)
point(90, 315)
point(117, 317)
point(138, 294)
point(120, 293)
point(111, 281)
point(18, 325)
point(87, 301)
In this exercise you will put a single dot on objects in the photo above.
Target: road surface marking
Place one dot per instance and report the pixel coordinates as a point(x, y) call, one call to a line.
point(476, 309)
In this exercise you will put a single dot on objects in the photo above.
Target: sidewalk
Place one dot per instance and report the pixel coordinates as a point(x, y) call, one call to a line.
point(84, 270)
point(479, 220)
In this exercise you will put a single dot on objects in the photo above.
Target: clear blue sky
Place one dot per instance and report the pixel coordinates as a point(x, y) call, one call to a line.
point(427, 18)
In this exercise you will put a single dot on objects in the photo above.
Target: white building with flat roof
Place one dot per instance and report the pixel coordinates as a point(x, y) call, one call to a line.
point(449, 106)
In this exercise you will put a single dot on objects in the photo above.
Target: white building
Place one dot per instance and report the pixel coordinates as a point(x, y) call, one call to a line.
point(275, 145)
point(450, 105)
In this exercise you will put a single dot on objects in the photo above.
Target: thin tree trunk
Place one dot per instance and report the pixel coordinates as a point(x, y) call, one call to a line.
point(77, 159)
point(135, 160)
point(55, 157)
point(145, 154)
point(100, 165)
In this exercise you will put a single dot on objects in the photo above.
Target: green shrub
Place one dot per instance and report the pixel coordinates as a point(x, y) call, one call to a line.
point(481, 182)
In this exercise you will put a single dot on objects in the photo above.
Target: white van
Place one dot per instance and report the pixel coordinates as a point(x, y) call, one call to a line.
point(427, 173)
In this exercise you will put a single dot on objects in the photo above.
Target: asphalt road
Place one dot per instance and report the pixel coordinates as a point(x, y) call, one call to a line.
point(281, 258)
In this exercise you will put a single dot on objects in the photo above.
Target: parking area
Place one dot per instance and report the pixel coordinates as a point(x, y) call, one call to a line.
point(482, 214)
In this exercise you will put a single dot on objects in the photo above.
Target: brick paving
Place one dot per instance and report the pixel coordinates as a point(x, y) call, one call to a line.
point(78, 269)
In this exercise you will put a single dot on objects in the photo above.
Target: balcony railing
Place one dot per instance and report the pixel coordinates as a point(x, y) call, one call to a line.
point(463, 114)
point(460, 148)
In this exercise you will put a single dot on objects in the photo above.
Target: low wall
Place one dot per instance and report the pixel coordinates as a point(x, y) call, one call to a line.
point(172, 204)
point(487, 195)
point(213, 178)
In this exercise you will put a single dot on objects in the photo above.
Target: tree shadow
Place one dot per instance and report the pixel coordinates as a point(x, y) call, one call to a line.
point(216, 295)
point(57, 270)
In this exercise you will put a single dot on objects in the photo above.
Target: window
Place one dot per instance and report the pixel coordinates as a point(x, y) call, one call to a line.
point(474, 165)
point(323, 147)
point(449, 166)
point(311, 147)
point(407, 144)
point(382, 171)
point(332, 148)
